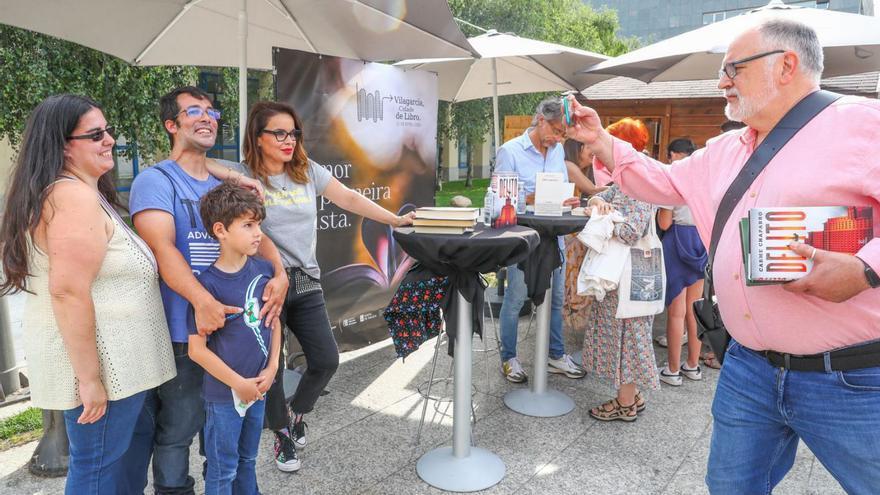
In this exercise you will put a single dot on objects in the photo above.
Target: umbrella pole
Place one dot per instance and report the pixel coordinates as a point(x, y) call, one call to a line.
point(242, 76)
point(497, 142)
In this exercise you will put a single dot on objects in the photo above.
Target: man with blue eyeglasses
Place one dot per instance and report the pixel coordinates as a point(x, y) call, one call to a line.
point(537, 150)
point(164, 205)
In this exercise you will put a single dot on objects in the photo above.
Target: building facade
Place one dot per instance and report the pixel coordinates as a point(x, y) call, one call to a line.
point(654, 20)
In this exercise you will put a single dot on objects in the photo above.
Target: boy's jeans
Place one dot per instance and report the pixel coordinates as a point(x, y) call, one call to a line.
point(109, 456)
point(760, 412)
point(231, 445)
point(515, 296)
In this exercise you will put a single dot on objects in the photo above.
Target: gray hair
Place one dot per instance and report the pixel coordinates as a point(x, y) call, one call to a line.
point(802, 39)
point(550, 108)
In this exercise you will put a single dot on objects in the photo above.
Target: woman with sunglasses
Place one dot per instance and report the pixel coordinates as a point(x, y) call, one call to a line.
point(274, 154)
point(96, 333)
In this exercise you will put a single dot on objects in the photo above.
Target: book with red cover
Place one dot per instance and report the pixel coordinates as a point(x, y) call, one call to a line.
point(842, 229)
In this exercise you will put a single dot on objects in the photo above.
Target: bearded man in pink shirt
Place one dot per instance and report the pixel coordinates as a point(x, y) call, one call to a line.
point(789, 371)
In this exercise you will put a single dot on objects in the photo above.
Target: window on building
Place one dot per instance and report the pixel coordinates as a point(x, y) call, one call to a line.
point(711, 17)
point(462, 155)
point(226, 146)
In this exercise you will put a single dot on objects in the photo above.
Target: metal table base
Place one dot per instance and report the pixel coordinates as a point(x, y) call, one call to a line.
point(538, 400)
point(461, 468)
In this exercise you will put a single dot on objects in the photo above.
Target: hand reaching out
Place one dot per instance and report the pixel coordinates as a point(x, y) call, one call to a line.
point(586, 125)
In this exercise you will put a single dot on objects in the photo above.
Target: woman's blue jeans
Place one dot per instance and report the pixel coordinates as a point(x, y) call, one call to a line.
point(111, 455)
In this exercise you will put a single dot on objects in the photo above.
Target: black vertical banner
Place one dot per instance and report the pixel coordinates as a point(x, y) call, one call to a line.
point(374, 127)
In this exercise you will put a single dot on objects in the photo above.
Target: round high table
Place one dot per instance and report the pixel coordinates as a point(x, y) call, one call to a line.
point(538, 400)
point(463, 468)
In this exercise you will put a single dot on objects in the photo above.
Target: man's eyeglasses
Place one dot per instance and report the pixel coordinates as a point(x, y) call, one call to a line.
point(281, 135)
point(196, 112)
point(95, 135)
point(555, 130)
point(729, 69)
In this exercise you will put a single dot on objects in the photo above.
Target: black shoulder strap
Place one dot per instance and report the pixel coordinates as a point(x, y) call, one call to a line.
point(793, 121)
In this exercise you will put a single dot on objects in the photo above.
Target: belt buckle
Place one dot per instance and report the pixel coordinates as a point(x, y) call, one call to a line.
point(786, 358)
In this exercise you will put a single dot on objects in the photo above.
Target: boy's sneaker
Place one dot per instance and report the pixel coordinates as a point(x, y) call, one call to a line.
point(564, 365)
point(513, 371)
point(692, 374)
point(299, 434)
point(669, 377)
point(285, 453)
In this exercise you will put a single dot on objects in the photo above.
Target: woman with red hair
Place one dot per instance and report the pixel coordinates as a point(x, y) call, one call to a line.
point(621, 349)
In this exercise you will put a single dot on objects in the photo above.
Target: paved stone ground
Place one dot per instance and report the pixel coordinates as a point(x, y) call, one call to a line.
point(361, 435)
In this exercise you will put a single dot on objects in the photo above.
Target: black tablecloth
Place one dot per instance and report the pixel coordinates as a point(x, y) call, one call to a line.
point(539, 266)
point(462, 258)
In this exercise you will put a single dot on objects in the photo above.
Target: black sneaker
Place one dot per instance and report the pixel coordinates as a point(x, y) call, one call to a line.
point(299, 434)
point(285, 454)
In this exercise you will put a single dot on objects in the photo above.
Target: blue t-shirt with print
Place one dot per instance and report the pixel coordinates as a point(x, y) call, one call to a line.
point(167, 187)
point(244, 341)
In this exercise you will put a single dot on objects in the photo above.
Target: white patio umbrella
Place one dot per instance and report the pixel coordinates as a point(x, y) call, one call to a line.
point(230, 33)
point(508, 65)
point(851, 43)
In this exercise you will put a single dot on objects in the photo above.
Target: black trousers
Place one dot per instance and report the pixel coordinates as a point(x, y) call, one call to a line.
point(306, 316)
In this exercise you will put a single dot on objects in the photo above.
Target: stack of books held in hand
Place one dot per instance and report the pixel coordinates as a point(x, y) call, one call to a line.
point(766, 233)
point(445, 220)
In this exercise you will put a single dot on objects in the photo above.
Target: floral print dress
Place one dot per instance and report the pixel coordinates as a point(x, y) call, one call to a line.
point(621, 349)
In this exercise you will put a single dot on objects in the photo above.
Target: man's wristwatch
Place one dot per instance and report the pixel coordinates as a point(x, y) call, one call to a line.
point(871, 275)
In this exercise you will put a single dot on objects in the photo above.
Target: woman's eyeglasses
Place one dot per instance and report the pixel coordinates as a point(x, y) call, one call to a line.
point(281, 135)
point(196, 112)
point(95, 135)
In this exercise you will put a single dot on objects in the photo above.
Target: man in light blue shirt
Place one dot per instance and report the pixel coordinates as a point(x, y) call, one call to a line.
point(539, 149)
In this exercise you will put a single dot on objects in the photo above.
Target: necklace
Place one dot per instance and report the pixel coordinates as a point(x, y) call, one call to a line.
point(275, 184)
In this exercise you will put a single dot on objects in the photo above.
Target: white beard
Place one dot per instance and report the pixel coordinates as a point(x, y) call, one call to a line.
point(746, 108)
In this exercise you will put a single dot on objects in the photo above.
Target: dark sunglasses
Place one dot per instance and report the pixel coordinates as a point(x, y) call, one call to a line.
point(196, 112)
point(281, 135)
point(729, 69)
point(96, 135)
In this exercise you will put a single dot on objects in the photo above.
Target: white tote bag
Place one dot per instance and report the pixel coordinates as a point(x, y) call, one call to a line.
point(642, 288)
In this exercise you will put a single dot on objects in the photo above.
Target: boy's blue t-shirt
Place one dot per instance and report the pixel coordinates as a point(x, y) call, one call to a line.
point(165, 186)
point(237, 343)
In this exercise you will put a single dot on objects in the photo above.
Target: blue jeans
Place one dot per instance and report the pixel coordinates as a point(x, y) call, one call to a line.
point(760, 412)
point(110, 455)
point(180, 414)
point(231, 446)
point(515, 296)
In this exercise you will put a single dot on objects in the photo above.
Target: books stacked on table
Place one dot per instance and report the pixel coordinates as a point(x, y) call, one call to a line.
point(766, 233)
point(445, 220)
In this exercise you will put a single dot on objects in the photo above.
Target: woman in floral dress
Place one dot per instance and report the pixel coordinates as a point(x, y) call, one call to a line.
point(621, 349)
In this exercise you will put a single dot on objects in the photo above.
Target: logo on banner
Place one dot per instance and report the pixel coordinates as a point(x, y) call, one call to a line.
point(371, 106)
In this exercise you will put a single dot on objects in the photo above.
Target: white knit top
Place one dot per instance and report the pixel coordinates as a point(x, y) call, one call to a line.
point(134, 346)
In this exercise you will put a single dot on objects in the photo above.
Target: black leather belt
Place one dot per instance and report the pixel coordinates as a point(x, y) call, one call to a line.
point(846, 359)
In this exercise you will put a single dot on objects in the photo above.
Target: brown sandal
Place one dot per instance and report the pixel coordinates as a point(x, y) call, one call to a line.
point(710, 360)
point(641, 403)
point(617, 411)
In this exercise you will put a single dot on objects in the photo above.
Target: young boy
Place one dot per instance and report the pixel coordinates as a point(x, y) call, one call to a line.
point(242, 357)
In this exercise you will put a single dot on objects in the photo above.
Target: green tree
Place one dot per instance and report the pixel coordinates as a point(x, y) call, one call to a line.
point(567, 22)
point(34, 66)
